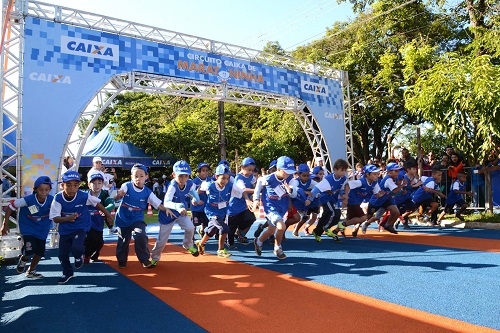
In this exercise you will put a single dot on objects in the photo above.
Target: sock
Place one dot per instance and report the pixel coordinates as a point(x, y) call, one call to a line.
point(259, 243)
point(276, 247)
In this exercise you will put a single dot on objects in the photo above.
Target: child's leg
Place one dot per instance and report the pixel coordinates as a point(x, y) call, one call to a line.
point(91, 243)
point(266, 234)
point(185, 223)
point(100, 244)
point(161, 240)
point(222, 241)
point(124, 236)
point(459, 213)
point(280, 230)
point(233, 226)
point(141, 242)
point(65, 244)
point(78, 245)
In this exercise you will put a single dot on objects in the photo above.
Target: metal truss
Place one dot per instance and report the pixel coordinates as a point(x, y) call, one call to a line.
point(145, 32)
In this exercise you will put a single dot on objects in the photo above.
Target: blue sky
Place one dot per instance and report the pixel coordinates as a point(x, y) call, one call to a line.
point(245, 23)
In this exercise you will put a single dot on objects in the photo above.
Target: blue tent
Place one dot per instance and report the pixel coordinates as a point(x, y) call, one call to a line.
point(119, 154)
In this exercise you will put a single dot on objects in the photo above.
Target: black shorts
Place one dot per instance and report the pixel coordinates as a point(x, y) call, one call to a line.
point(425, 204)
point(449, 208)
point(354, 211)
point(33, 245)
point(243, 220)
point(373, 209)
point(199, 218)
point(407, 206)
point(313, 210)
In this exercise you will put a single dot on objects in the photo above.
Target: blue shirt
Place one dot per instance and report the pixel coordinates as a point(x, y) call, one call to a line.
point(387, 185)
point(96, 219)
point(203, 196)
point(33, 216)
point(360, 190)
point(218, 198)
point(329, 188)
point(275, 197)
point(420, 195)
point(134, 203)
point(239, 205)
point(453, 197)
point(79, 205)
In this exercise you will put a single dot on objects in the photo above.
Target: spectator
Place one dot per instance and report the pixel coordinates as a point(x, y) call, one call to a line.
point(406, 157)
point(68, 164)
point(456, 166)
point(494, 169)
point(478, 186)
point(97, 168)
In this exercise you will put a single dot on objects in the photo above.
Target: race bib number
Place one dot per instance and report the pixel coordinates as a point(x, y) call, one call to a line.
point(279, 191)
point(33, 209)
point(222, 205)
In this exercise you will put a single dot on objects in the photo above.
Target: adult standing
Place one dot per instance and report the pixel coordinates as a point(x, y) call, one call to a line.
point(97, 167)
point(494, 169)
point(406, 157)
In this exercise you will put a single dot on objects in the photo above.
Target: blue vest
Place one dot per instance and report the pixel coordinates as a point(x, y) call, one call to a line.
point(335, 187)
point(203, 196)
point(180, 196)
point(77, 205)
point(35, 224)
point(453, 197)
point(409, 191)
point(218, 200)
point(359, 194)
point(377, 202)
point(299, 201)
point(238, 205)
point(420, 195)
point(132, 206)
point(96, 219)
point(276, 196)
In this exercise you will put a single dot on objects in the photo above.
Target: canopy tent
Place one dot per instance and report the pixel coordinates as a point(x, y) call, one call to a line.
point(119, 154)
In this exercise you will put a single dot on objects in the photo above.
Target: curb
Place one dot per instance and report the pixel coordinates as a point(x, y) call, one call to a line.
point(470, 225)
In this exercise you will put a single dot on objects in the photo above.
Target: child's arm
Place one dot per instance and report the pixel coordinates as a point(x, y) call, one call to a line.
point(5, 225)
point(109, 218)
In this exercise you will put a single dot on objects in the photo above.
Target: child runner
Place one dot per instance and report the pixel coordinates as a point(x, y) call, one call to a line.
point(455, 198)
point(317, 175)
point(34, 224)
point(424, 196)
point(179, 193)
point(130, 216)
point(70, 209)
point(240, 217)
point(198, 211)
point(262, 226)
point(328, 191)
point(357, 191)
point(94, 241)
point(405, 205)
point(276, 200)
point(219, 193)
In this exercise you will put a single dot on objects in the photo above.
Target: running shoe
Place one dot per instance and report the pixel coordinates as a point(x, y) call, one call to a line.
point(355, 231)
point(317, 238)
point(341, 225)
point(33, 275)
point(200, 247)
point(364, 227)
point(78, 262)
point(243, 240)
point(193, 250)
point(258, 248)
point(148, 264)
point(65, 278)
point(279, 253)
point(223, 253)
point(390, 229)
point(21, 265)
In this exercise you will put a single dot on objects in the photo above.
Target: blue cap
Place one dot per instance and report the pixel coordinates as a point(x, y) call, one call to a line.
point(393, 166)
point(182, 168)
point(139, 166)
point(223, 162)
point(303, 168)
point(222, 170)
point(43, 180)
point(286, 164)
point(370, 168)
point(70, 175)
point(201, 165)
point(96, 175)
point(272, 164)
point(317, 170)
point(247, 161)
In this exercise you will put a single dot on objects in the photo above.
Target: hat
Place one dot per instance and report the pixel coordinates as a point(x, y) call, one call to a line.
point(96, 159)
point(223, 162)
point(318, 158)
point(96, 175)
point(393, 166)
point(272, 164)
point(247, 161)
point(222, 170)
point(164, 176)
point(182, 168)
point(43, 180)
point(286, 164)
point(303, 168)
point(317, 170)
point(139, 166)
point(70, 175)
point(370, 168)
point(201, 165)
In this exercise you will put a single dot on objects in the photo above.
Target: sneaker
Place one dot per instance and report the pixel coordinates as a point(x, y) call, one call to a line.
point(79, 262)
point(223, 253)
point(258, 249)
point(200, 247)
point(86, 260)
point(21, 265)
point(154, 262)
point(332, 234)
point(193, 250)
point(259, 230)
point(317, 238)
point(390, 229)
point(460, 217)
point(279, 253)
point(243, 240)
point(33, 275)
point(122, 264)
point(65, 278)
point(355, 231)
point(364, 227)
point(341, 226)
point(148, 264)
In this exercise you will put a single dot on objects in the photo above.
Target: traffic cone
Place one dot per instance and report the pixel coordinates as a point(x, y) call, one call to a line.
point(262, 214)
point(150, 210)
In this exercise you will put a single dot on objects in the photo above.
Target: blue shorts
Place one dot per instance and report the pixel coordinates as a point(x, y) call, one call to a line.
point(33, 245)
point(216, 224)
point(274, 217)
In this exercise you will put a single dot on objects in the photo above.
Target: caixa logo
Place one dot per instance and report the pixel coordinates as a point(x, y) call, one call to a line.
point(89, 48)
point(52, 78)
point(313, 88)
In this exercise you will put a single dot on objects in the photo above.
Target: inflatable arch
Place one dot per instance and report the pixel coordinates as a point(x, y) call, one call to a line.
point(59, 65)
